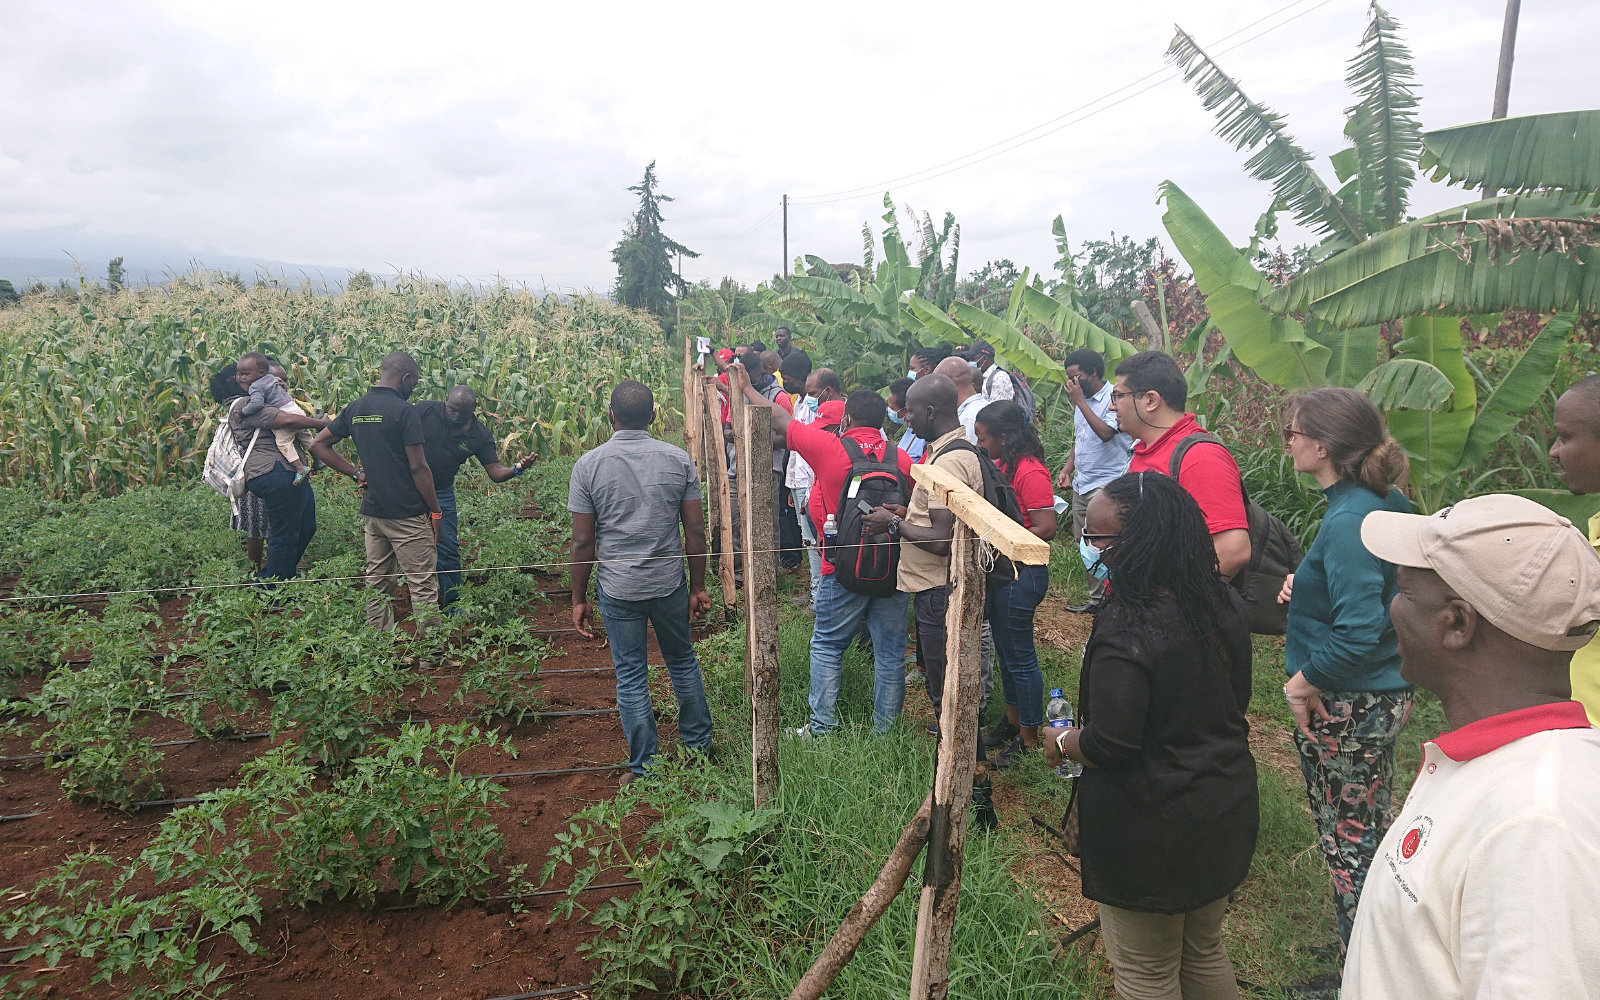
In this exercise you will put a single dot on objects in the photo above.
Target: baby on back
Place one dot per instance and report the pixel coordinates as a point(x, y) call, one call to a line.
point(267, 389)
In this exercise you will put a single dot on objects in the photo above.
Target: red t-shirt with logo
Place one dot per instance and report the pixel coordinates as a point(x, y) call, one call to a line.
point(1034, 489)
point(1208, 472)
point(831, 463)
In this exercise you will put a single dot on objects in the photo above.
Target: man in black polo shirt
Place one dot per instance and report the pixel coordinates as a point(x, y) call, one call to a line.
point(452, 434)
point(400, 510)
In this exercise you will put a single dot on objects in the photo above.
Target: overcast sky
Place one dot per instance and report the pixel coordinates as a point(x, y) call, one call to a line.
point(474, 139)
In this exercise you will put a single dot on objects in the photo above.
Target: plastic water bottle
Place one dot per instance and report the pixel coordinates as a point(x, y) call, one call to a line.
point(830, 531)
point(1058, 716)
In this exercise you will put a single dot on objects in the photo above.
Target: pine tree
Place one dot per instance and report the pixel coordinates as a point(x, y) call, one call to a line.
point(645, 278)
point(116, 277)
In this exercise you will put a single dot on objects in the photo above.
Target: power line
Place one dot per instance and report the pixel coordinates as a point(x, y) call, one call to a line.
point(1166, 75)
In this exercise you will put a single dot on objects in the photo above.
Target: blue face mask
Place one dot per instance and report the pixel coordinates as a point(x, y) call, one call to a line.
point(810, 401)
point(970, 364)
point(897, 418)
point(1092, 561)
point(912, 374)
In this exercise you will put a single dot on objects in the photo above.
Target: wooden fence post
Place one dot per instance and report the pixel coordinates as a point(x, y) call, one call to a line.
point(717, 487)
point(760, 596)
point(693, 410)
point(952, 784)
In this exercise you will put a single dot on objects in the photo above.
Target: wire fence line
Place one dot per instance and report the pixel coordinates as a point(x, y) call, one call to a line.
point(271, 584)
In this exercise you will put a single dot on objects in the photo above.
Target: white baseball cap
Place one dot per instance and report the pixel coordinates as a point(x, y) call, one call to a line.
point(1524, 567)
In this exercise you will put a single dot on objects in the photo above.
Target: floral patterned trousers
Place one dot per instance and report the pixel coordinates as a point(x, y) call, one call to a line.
point(1349, 774)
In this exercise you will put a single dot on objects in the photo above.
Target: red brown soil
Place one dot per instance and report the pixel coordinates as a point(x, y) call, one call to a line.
point(339, 951)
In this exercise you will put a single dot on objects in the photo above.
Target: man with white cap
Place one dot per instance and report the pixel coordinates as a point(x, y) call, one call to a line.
point(1488, 883)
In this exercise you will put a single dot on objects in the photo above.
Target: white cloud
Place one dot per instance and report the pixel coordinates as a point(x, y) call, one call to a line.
point(501, 137)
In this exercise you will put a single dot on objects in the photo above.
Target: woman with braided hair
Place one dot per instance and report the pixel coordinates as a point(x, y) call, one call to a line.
point(1167, 802)
point(1340, 651)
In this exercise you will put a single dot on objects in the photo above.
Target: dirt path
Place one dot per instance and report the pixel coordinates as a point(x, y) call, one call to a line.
point(339, 951)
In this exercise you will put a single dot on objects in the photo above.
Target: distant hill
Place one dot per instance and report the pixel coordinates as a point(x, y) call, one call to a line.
point(48, 256)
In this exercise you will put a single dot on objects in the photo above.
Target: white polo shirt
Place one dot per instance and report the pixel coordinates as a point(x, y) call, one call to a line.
point(1488, 883)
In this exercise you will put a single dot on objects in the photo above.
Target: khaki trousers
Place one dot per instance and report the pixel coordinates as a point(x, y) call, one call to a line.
point(1158, 956)
point(395, 546)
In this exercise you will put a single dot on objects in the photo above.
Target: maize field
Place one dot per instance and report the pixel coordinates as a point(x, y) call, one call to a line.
point(106, 392)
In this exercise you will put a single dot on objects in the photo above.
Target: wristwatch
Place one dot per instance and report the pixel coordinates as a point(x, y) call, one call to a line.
point(894, 524)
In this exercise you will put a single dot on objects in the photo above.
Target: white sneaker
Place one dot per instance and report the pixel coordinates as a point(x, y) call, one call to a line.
point(803, 733)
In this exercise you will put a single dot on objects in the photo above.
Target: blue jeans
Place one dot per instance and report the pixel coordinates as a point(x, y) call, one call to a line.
point(839, 613)
point(1011, 613)
point(625, 623)
point(291, 520)
point(449, 548)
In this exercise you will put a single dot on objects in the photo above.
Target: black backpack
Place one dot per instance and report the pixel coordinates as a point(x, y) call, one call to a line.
point(997, 490)
point(870, 564)
point(1274, 553)
point(1022, 394)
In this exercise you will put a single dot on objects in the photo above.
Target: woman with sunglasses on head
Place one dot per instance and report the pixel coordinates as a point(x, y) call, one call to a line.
point(1345, 689)
point(1167, 808)
point(1005, 432)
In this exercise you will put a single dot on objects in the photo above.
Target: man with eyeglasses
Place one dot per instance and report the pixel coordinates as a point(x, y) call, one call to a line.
point(1099, 450)
point(1149, 398)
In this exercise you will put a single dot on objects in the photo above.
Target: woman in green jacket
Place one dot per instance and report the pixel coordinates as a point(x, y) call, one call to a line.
point(1344, 687)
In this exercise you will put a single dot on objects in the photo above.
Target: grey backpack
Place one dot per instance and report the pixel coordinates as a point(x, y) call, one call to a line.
point(1274, 553)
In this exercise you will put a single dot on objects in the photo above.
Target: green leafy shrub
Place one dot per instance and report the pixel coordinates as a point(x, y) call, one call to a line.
point(698, 864)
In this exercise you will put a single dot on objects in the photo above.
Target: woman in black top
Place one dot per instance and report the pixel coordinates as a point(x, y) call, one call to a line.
point(1167, 802)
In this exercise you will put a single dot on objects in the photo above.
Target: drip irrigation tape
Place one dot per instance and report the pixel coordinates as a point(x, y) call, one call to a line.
point(526, 895)
point(546, 993)
point(157, 803)
point(8, 819)
point(173, 743)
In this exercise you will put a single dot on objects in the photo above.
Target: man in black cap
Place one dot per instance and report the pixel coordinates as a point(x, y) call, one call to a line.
point(994, 382)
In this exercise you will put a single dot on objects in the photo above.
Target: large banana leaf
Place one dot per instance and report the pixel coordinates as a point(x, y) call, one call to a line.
point(1436, 440)
point(1354, 353)
point(1281, 162)
point(1522, 385)
point(1012, 345)
point(1383, 124)
point(1409, 270)
point(1074, 328)
point(1556, 151)
point(1408, 384)
point(1275, 347)
point(1575, 507)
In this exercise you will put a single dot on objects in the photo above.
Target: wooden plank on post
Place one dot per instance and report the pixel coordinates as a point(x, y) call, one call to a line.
point(717, 487)
point(989, 524)
point(760, 599)
point(958, 754)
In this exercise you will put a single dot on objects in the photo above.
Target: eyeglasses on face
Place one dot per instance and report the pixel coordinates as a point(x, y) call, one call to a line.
point(1117, 394)
point(1091, 538)
point(1289, 434)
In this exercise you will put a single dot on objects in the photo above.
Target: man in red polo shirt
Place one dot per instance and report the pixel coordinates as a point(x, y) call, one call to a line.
point(839, 612)
point(1149, 397)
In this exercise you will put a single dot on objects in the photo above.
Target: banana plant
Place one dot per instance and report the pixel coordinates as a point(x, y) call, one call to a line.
point(1529, 249)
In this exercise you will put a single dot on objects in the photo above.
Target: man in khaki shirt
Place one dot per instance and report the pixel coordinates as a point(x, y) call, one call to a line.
point(927, 526)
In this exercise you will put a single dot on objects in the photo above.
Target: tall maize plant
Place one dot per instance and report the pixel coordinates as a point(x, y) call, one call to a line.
point(111, 391)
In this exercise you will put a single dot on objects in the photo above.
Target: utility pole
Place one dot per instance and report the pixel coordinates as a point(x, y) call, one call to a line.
point(786, 234)
point(1508, 47)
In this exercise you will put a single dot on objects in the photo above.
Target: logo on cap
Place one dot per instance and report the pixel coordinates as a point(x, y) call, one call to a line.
point(1415, 838)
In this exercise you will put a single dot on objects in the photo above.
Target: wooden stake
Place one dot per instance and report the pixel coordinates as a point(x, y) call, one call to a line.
point(842, 946)
point(693, 410)
point(952, 785)
point(760, 599)
point(717, 488)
